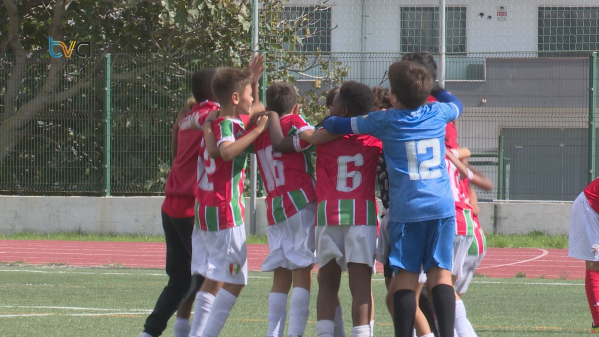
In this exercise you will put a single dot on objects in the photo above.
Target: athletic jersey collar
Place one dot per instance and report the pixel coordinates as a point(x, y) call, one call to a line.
point(206, 103)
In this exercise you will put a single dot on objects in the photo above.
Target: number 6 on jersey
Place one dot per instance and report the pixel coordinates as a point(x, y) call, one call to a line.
point(413, 149)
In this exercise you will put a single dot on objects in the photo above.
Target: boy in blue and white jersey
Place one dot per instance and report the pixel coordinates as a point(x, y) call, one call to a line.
point(422, 210)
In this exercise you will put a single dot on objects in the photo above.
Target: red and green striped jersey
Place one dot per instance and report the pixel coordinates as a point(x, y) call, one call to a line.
point(345, 181)
point(479, 244)
point(219, 198)
point(287, 177)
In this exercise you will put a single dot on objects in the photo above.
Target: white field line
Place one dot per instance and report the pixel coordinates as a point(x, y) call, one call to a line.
point(96, 273)
point(374, 279)
point(543, 253)
point(80, 315)
point(69, 308)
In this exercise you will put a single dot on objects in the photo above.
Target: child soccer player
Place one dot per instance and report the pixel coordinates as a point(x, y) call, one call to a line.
point(466, 222)
point(290, 208)
point(346, 221)
point(219, 246)
point(422, 214)
point(178, 212)
point(584, 243)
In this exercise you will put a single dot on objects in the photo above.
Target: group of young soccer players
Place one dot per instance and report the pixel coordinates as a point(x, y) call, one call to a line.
point(429, 232)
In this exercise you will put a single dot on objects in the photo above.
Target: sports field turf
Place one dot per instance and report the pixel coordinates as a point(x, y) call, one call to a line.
point(59, 301)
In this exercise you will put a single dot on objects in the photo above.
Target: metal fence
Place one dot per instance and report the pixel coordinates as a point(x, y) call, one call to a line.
point(526, 76)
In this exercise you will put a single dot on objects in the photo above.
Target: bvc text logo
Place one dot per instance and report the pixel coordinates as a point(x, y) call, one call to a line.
point(68, 52)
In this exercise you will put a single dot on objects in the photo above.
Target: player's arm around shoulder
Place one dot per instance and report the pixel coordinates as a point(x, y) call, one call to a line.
point(451, 105)
point(230, 147)
point(318, 137)
point(372, 123)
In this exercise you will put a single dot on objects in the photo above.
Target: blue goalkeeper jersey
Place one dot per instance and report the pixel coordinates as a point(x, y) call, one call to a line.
point(414, 147)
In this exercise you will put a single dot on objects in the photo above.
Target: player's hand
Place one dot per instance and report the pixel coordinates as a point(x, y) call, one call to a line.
point(262, 123)
point(256, 67)
point(266, 113)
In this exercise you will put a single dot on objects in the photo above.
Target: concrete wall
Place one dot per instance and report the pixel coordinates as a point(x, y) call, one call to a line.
point(141, 215)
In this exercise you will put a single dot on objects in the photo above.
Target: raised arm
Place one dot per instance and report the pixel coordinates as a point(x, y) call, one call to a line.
point(446, 97)
point(231, 149)
point(256, 67)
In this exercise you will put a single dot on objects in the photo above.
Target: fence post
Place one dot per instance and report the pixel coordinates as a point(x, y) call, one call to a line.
point(442, 43)
point(592, 110)
point(253, 163)
point(107, 125)
point(501, 170)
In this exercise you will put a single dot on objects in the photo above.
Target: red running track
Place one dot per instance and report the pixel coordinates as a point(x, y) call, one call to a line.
point(499, 262)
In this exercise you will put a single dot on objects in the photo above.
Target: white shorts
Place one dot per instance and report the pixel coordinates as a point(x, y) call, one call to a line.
point(220, 256)
point(291, 242)
point(584, 231)
point(346, 244)
point(469, 268)
point(383, 246)
point(461, 245)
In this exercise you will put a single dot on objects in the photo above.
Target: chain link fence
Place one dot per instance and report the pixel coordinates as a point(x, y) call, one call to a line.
point(523, 70)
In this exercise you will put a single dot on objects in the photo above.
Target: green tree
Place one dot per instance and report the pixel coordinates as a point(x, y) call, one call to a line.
point(56, 105)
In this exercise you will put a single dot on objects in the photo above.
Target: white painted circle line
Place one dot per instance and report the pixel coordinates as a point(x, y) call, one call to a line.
point(544, 252)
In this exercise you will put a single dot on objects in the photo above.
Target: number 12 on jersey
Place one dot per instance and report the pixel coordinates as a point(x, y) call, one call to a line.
point(423, 171)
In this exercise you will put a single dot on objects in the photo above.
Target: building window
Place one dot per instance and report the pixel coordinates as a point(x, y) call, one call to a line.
point(315, 23)
point(420, 29)
point(568, 31)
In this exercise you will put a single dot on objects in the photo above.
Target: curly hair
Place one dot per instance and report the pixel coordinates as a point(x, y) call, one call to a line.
point(357, 97)
point(381, 99)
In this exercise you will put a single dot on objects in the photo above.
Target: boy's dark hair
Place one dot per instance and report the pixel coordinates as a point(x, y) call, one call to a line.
point(201, 84)
point(281, 97)
point(427, 60)
point(357, 97)
point(331, 96)
point(229, 80)
point(411, 83)
point(381, 99)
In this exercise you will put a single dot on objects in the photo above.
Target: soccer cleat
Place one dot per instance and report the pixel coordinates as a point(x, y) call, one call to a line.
point(594, 329)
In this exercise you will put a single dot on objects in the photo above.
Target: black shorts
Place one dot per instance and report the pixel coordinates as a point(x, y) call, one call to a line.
point(387, 270)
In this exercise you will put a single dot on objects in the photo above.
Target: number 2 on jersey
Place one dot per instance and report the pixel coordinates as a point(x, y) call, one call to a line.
point(203, 183)
point(413, 149)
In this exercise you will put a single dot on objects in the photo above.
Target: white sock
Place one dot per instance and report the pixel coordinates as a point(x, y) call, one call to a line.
point(428, 335)
point(277, 314)
point(360, 331)
point(223, 303)
point(299, 309)
point(325, 328)
point(372, 328)
point(202, 307)
point(414, 333)
point(181, 327)
point(462, 324)
point(339, 328)
point(145, 334)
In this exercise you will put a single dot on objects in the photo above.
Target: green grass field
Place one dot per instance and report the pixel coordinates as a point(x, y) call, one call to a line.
point(59, 301)
point(534, 239)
